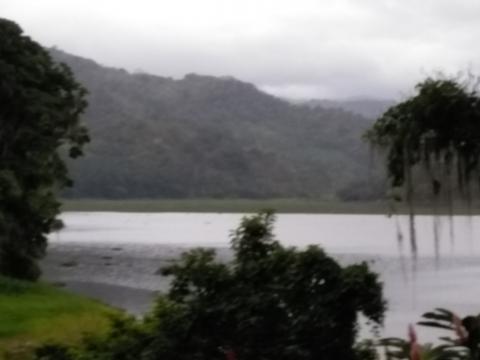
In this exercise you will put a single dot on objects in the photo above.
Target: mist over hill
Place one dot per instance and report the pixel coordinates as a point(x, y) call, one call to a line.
point(369, 108)
point(204, 136)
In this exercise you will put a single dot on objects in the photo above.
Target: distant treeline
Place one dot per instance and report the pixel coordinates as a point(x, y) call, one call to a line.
point(202, 136)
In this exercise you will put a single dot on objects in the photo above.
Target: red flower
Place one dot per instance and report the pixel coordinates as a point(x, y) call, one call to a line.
point(230, 354)
point(414, 347)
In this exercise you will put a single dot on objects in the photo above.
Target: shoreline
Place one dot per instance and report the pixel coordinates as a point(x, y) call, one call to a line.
point(126, 276)
point(123, 275)
point(116, 257)
point(282, 206)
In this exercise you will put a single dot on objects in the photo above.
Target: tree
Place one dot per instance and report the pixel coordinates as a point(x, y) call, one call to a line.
point(437, 130)
point(269, 302)
point(39, 125)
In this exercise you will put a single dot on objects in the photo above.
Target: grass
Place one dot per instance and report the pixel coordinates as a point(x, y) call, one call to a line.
point(35, 313)
point(312, 206)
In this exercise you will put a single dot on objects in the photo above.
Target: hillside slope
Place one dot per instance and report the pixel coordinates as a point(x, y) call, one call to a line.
point(369, 108)
point(204, 136)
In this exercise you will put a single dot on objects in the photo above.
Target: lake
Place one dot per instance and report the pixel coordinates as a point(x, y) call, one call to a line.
point(128, 247)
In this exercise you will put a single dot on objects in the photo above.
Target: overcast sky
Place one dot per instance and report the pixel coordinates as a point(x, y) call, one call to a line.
point(298, 48)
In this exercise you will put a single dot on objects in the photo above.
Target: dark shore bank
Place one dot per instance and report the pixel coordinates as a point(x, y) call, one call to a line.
point(126, 276)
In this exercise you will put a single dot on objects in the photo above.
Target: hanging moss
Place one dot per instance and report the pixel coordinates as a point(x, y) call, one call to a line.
point(437, 130)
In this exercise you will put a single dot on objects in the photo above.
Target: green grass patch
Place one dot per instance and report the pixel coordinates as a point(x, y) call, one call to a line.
point(300, 206)
point(35, 313)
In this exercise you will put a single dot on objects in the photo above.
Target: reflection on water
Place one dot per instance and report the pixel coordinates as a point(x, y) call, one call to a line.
point(451, 280)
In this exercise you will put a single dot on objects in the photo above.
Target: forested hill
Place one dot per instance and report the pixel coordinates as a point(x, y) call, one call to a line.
point(370, 108)
point(204, 136)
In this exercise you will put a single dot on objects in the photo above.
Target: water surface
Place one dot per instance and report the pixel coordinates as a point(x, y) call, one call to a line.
point(131, 246)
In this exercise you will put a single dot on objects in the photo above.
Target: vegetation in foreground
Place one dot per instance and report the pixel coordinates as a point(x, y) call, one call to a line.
point(460, 340)
point(270, 302)
point(40, 115)
point(35, 313)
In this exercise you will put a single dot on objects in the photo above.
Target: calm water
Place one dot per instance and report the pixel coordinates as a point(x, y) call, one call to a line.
point(450, 280)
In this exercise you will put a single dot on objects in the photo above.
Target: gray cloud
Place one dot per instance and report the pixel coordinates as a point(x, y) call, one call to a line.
point(301, 48)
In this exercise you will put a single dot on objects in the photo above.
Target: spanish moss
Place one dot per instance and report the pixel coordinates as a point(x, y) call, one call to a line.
point(432, 149)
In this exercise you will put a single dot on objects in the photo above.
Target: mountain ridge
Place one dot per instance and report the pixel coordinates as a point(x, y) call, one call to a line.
point(206, 136)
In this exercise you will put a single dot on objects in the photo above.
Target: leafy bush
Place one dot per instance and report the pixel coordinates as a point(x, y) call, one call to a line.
point(269, 302)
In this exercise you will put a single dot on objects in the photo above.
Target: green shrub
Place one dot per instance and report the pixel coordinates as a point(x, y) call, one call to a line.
point(269, 302)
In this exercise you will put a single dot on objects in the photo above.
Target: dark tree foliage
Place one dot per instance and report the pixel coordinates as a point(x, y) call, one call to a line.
point(269, 302)
point(437, 128)
point(272, 302)
point(39, 116)
point(435, 133)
